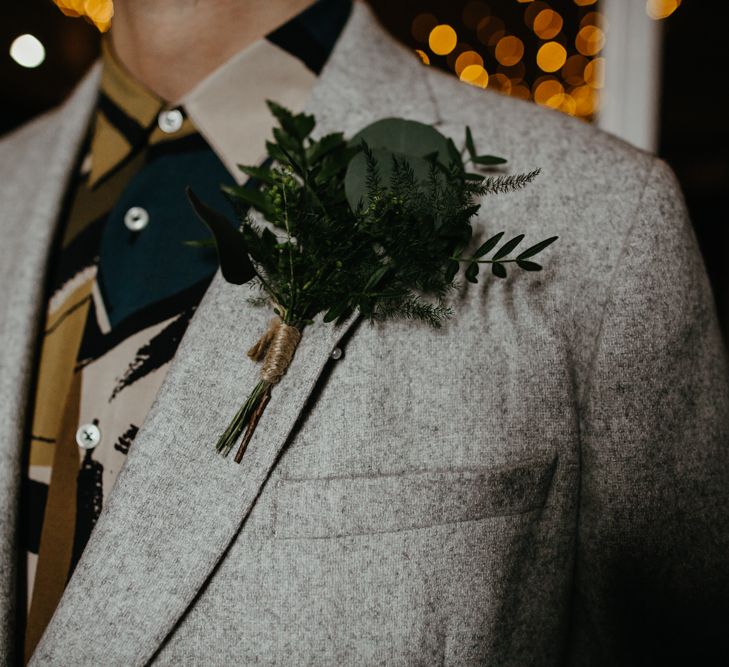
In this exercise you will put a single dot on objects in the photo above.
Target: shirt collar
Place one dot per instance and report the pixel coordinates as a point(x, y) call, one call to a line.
point(228, 107)
point(125, 114)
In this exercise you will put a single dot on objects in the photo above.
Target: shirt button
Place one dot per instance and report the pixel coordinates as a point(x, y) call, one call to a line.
point(88, 436)
point(170, 120)
point(337, 353)
point(136, 218)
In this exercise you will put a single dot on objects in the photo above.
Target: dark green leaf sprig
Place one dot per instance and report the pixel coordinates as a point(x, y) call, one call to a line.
point(377, 223)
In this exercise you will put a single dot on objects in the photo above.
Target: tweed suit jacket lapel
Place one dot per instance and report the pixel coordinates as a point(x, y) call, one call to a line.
point(177, 505)
point(35, 170)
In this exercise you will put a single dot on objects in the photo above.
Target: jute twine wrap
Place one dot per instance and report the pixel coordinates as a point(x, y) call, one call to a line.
point(278, 344)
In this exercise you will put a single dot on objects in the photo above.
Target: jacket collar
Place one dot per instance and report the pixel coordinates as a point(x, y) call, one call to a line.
point(177, 505)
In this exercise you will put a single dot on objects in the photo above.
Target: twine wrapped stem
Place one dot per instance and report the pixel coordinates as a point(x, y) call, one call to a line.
point(276, 348)
point(278, 344)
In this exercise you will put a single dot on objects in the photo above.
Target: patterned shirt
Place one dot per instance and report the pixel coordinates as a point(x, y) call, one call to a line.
point(123, 281)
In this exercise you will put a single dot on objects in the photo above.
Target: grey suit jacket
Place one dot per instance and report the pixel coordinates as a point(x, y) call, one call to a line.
point(542, 481)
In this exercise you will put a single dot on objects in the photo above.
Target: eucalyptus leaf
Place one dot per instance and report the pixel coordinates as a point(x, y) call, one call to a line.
point(527, 265)
point(488, 160)
point(508, 247)
point(404, 137)
point(499, 270)
point(472, 272)
point(376, 277)
point(235, 264)
point(488, 246)
point(537, 248)
point(470, 146)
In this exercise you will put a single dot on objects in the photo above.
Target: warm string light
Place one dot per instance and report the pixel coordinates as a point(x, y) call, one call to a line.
point(573, 71)
point(661, 9)
point(98, 12)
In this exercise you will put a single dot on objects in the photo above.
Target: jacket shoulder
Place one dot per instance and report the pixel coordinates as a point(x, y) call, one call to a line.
point(591, 183)
point(38, 135)
point(521, 126)
point(594, 191)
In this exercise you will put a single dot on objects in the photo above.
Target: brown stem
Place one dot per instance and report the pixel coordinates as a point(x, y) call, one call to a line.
point(252, 423)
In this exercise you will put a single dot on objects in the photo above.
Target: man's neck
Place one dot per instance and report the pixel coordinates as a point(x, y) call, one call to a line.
point(171, 45)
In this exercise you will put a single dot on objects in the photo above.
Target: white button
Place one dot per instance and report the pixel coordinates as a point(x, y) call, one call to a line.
point(170, 120)
point(136, 218)
point(337, 353)
point(88, 436)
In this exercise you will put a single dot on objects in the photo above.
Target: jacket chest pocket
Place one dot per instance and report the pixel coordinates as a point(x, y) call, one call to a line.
point(310, 508)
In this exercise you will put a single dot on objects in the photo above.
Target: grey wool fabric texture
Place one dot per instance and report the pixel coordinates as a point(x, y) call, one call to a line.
point(542, 481)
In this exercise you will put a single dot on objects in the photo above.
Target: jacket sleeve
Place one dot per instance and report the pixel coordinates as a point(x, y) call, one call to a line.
point(652, 568)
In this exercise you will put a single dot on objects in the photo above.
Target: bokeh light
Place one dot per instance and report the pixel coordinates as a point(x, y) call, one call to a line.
point(586, 100)
point(594, 18)
point(490, 30)
point(564, 103)
point(442, 39)
point(421, 26)
point(590, 40)
point(476, 75)
point(573, 71)
point(547, 24)
point(516, 72)
point(27, 51)
point(473, 12)
point(595, 73)
point(520, 91)
point(556, 61)
point(551, 56)
point(531, 12)
point(466, 59)
point(548, 91)
point(500, 82)
point(661, 9)
point(509, 50)
point(423, 56)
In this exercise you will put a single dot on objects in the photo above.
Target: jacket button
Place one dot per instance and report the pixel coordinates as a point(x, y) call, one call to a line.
point(337, 353)
point(88, 436)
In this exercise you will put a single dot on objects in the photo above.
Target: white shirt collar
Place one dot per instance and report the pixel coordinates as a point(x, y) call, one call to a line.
point(228, 107)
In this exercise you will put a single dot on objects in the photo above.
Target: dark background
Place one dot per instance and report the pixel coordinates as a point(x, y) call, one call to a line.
point(694, 103)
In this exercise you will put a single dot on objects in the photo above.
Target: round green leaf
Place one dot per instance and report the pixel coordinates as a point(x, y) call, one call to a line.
point(407, 137)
